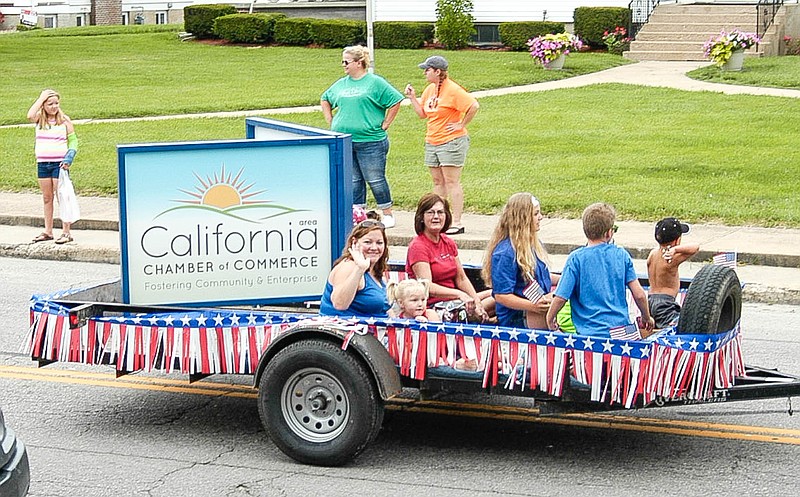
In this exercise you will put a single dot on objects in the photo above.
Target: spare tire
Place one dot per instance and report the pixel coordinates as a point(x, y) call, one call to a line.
point(713, 303)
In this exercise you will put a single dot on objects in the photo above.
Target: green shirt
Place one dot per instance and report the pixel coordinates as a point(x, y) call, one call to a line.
point(361, 106)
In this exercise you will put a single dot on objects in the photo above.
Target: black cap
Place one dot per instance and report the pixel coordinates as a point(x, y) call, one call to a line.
point(670, 229)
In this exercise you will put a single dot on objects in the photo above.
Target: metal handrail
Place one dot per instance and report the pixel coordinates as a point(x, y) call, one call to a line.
point(640, 14)
point(765, 14)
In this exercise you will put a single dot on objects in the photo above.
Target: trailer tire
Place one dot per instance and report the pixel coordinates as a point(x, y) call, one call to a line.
point(713, 303)
point(319, 403)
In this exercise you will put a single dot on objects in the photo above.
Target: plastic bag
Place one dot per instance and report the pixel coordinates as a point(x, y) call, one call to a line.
point(68, 208)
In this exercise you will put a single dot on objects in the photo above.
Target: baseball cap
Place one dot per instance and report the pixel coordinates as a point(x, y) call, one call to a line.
point(670, 229)
point(435, 62)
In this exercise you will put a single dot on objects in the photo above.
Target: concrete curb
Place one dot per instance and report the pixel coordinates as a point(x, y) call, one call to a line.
point(65, 252)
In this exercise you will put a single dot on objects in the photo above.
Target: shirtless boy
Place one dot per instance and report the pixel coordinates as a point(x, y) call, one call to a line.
point(662, 269)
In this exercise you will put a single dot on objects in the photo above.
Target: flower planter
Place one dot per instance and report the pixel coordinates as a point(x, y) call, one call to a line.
point(557, 63)
point(735, 62)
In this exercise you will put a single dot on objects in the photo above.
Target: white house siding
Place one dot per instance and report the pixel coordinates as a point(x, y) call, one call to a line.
point(491, 11)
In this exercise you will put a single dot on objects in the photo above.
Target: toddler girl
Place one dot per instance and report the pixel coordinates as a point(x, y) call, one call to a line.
point(411, 299)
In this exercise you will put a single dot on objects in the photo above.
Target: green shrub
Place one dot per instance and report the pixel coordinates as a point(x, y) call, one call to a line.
point(293, 31)
point(336, 33)
point(246, 28)
point(118, 29)
point(402, 34)
point(454, 23)
point(592, 22)
point(515, 35)
point(24, 27)
point(199, 19)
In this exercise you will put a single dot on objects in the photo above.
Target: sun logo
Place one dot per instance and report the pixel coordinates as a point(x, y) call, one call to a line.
point(222, 191)
point(228, 194)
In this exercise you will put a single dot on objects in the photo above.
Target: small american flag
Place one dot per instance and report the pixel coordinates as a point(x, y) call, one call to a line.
point(628, 332)
point(727, 259)
point(533, 292)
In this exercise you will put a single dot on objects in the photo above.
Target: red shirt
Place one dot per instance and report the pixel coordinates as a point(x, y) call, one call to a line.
point(441, 257)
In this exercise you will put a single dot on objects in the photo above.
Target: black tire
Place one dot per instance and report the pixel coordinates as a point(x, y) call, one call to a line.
point(319, 403)
point(713, 303)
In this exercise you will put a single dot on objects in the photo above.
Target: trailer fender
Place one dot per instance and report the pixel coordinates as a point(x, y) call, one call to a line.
point(366, 347)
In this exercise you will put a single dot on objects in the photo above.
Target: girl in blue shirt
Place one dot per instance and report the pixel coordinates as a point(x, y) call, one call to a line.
point(515, 259)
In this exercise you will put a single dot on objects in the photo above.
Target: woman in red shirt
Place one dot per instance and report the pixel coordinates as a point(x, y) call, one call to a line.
point(433, 256)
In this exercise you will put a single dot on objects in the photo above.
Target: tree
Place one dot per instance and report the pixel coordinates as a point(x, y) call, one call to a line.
point(454, 23)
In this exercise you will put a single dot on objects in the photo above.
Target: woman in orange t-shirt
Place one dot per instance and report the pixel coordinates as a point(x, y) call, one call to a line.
point(448, 108)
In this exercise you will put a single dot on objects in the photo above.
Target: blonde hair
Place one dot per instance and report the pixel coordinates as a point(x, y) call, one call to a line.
point(516, 224)
point(397, 292)
point(43, 122)
point(359, 54)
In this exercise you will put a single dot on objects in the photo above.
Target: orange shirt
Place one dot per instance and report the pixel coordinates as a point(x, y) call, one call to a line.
point(449, 106)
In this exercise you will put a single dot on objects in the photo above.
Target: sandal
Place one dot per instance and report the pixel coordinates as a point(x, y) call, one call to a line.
point(43, 237)
point(64, 238)
point(454, 230)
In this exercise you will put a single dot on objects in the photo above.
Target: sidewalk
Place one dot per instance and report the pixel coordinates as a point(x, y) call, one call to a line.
point(769, 258)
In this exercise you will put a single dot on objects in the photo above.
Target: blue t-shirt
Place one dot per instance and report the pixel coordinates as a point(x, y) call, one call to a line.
point(370, 301)
point(594, 281)
point(507, 278)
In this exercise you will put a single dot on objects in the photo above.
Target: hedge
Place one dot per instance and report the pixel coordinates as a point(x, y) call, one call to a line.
point(336, 33)
point(246, 28)
point(293, 31)
point(592, 22)
point(199, 19)
point(402, 34)
point(515, 35)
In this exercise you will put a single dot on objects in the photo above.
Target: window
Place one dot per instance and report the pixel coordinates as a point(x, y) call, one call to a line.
point(79, 21)
point(486, 34)
point(161, 17)
point(50, 22)
point(126, 18)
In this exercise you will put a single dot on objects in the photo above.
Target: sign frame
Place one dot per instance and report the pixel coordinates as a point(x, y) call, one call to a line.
point(264, 137)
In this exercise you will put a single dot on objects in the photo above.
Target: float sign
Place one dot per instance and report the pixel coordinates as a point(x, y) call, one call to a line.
point(232, 222)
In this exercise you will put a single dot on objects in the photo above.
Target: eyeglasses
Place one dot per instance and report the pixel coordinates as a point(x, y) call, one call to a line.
point(347, 62)
point(614, 228)
point(435, 213)
point(371, 223)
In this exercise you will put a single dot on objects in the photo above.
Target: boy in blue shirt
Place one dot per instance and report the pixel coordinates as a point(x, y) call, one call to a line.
point(595, 278)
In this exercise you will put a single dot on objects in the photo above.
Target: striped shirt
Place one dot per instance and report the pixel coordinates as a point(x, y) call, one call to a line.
point(51, 143)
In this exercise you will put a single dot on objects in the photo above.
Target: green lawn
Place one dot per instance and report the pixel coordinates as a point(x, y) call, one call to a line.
point(776, 72)
point(123, 75)
point(649, 151)
point(701, 156)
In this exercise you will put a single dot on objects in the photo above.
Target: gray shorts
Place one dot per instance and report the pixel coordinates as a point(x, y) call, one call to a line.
point(664, 309)
point(452, 153)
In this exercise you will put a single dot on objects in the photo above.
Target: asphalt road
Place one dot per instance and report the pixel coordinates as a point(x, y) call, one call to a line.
point(90, 434)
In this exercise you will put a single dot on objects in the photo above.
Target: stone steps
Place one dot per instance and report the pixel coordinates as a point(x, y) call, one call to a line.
point(679, 31)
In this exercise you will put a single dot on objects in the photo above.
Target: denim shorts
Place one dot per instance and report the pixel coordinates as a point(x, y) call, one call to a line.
point(452, 153)
point(49, 169)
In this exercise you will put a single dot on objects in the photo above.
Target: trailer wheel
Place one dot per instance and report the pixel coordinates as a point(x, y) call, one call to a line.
point(319, 403)
point(713, 303)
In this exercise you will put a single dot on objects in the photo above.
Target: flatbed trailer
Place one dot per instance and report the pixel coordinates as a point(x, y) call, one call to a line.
point(323, 382)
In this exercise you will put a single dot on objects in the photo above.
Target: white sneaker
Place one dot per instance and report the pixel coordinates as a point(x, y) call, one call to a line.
point(388, 221)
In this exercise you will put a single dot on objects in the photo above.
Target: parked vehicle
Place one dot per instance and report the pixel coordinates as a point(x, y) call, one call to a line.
point(15, 477)
point(323, 381)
